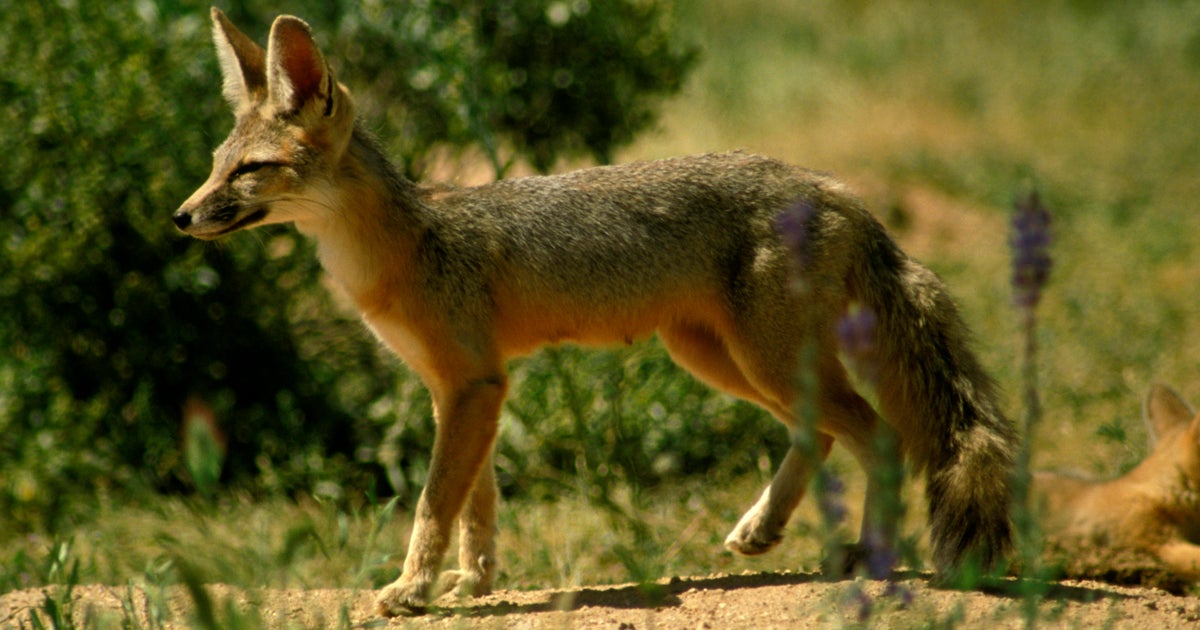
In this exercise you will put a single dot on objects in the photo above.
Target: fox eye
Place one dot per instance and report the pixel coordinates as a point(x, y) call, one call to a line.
point(247, 168)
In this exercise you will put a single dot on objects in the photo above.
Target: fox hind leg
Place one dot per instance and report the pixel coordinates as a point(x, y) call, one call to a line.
point(876, 447)
point(842, 415)
point(749, 370)
point(761, 527)
point(706, 355)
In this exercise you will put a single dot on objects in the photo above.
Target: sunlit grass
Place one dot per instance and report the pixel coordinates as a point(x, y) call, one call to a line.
point(249, 544)
point(284, 543)
point(288, 543)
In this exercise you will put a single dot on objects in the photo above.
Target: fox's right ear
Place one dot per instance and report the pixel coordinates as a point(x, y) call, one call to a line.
point(243, 63)
point(1164, 410)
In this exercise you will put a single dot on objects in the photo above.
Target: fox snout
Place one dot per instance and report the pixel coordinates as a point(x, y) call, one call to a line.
point(182, 219)
point(219, 222)
point(195, 216)
point(215, 210)
point(191, 219)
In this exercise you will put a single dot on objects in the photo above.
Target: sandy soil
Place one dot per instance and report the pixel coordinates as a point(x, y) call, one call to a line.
point(759, 600)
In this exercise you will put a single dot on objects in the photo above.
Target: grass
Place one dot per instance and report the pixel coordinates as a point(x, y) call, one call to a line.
point(282, 543)
point(145, 551)
point(939, 115)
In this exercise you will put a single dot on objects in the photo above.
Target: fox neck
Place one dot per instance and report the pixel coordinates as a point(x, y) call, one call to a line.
point(376, 217)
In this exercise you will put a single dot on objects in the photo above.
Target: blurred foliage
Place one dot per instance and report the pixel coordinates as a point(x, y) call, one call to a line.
point(525, 79)
point(110, 320)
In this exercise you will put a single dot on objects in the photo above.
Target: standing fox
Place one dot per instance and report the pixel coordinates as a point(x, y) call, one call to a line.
point(456, 282)
point(1153, 509)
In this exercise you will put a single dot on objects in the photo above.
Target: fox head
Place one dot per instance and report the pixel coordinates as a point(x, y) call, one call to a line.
point(1175, 444)
point(293, 123)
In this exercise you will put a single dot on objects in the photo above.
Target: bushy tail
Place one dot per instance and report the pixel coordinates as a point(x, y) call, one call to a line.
point(933, 390)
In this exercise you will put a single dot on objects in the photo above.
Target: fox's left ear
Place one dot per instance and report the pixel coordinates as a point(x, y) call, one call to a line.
point(243, 63)
point(1163, 410)
point(297, 75)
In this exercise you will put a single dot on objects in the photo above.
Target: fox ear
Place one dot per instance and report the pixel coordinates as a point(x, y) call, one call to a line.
point(243, 63)
point(297, 74)
point(1164, 410)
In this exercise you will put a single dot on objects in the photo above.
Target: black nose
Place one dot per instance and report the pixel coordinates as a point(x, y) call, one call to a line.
point(182, 219)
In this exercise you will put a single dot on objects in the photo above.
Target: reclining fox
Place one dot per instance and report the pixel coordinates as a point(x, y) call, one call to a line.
point(456, 282)
point(1153, 509)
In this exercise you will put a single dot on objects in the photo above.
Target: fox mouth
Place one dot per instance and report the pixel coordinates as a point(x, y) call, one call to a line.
point(250, 219)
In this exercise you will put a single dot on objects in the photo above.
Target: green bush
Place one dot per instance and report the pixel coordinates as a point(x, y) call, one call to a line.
point(520, 80)
point(111, 319)
point(113, 322)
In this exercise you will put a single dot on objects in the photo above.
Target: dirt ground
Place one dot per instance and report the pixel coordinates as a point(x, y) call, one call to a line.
point(758, 600)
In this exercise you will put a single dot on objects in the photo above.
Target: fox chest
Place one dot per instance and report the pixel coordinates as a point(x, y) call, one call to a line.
point(402, 339)
point(441, 349)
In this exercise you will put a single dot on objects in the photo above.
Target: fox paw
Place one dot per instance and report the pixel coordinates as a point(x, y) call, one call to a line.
point(750, 538)
point(845, 560)
point(464, 583)
point(402, 599)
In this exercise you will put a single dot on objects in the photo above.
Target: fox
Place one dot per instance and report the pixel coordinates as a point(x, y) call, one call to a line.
point(1153, 510)
point(456, 281)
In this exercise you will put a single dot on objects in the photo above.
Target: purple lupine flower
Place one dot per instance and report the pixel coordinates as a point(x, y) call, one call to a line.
point(830, 503)
point(856, 332)
point(1031, 250)
point(1031, 266)
point(881, 557)
point(900, 592)
point(857, 598)
point(795, 225)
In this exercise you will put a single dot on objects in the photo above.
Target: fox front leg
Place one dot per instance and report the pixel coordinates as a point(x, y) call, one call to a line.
point(465, 432)
point(1182, 557)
